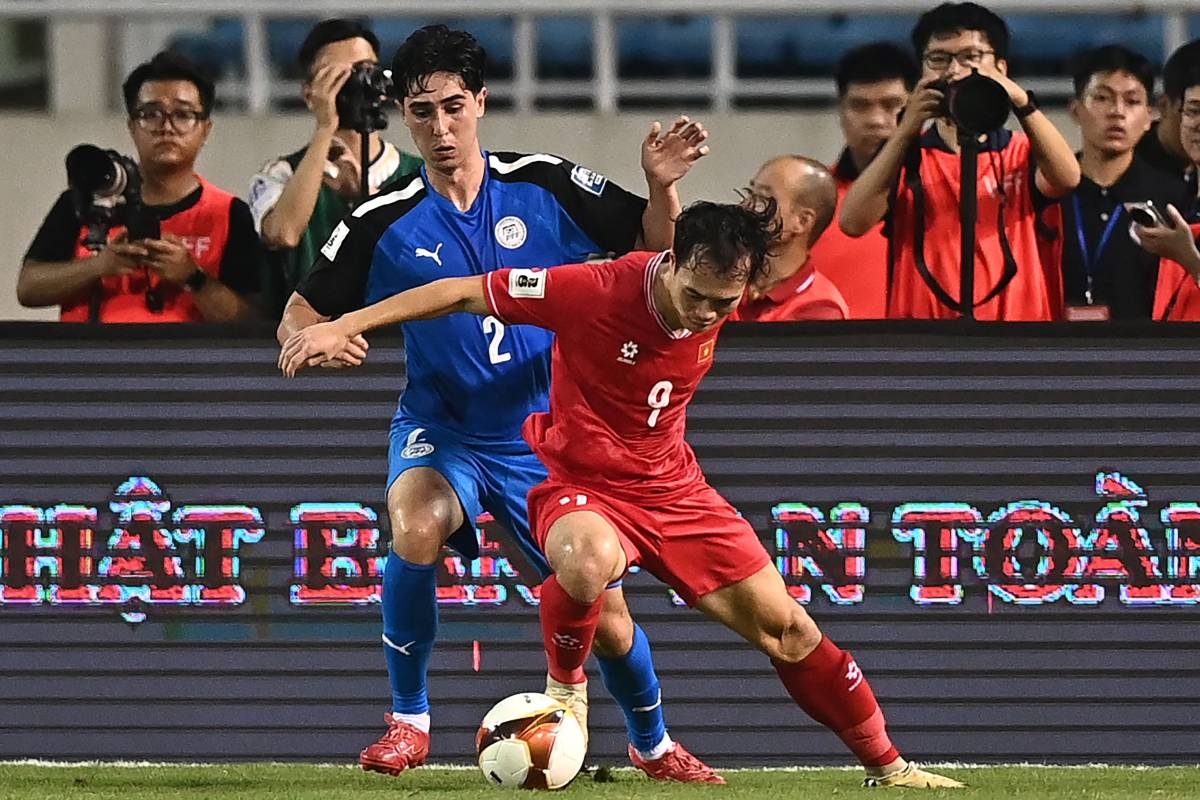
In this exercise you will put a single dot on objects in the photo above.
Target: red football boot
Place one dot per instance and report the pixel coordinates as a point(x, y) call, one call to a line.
point(676, 765)
point(402, 747)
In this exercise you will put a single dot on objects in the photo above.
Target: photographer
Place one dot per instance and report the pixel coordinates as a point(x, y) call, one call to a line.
point(917, 180)
point(200, 255)
point(297, 199)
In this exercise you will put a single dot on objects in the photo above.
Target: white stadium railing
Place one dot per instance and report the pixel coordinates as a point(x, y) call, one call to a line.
point(259, 87)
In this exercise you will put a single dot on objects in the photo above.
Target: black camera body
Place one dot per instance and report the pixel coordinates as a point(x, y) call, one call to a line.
point(975, 103)
point(107, 190)
point(360, 101)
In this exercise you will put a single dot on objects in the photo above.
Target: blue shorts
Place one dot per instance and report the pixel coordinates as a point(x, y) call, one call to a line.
point(486, 477)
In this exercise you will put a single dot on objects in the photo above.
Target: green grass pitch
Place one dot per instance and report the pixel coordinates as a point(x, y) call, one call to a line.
point(25, 781)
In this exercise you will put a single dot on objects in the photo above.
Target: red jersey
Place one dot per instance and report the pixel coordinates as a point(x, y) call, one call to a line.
point(1005, 188)
point(204, 229)
point(806, 295)
point(1177, 295)
point(620, 378)
point(856, 266)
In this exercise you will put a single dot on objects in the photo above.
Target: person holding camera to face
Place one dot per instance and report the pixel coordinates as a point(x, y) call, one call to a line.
point(916, 179)
point(298, 199)
point(147, 240)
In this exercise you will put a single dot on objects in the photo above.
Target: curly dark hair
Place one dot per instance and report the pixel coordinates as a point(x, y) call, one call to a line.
point(734, 240)
point(436, 48)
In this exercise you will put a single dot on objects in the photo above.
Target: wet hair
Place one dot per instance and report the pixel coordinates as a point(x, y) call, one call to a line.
point(329, 31)
point(1181, 70)
point(436, 48)
point(733, 240)
point(1111, 58)
point(949, 19)
point(873, 63)
point(168, 66)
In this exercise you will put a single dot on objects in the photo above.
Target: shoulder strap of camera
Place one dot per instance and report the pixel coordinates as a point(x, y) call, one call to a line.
point(912, 176)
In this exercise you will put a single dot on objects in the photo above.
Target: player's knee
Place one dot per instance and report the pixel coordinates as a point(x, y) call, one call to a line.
point(418, 537)
point(584, 564)
point(789, 636)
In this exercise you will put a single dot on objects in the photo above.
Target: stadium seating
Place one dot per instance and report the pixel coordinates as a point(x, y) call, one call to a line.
point(681, 46)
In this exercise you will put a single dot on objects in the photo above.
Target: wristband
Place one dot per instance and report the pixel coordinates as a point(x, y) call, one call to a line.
point(1031, 105)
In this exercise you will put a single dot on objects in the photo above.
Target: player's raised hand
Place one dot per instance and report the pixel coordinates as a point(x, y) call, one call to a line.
point(318, 345)
point(667, 157)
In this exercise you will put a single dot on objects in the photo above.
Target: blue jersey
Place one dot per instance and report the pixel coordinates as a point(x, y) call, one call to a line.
point(473, 376)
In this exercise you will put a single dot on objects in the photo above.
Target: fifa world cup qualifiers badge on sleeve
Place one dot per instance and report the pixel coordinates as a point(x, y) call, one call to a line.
point(588, 180)
point(334, 243)
point(527, 283)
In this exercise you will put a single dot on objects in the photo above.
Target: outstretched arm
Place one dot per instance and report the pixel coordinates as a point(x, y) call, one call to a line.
point(666, 158)
point(326, 341)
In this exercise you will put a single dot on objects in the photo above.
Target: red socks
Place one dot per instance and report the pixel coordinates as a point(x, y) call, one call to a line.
point(831, 689)
point(568, 628)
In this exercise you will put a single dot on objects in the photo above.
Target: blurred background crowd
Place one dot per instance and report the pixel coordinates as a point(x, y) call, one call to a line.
point(228, 144)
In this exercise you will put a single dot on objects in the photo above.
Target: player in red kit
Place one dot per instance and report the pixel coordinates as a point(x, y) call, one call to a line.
point(634, 337)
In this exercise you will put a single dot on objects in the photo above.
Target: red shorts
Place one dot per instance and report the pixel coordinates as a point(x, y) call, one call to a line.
point(695, 545)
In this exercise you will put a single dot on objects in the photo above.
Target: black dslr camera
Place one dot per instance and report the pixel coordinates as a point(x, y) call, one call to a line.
point(107, 191)
point(360, 102)
point(976, 103)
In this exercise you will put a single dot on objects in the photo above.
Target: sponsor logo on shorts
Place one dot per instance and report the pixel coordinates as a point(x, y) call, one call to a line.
point(511, 232)
point(414, 448)
point(588, 180)
point(527, 283)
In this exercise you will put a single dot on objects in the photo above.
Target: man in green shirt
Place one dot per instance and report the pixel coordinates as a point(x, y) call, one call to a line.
point(298, 199)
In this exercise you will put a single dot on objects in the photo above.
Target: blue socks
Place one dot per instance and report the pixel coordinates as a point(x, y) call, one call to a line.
point(410, 620)
point(631, 680)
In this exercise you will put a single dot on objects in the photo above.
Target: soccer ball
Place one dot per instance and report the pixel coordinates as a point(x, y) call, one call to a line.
point(530, 741)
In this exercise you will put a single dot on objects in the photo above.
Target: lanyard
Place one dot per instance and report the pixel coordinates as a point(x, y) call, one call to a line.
point(1089, 264)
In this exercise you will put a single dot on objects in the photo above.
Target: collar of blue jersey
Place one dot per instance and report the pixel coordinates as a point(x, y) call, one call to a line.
point(446, 203)
point(996, 141)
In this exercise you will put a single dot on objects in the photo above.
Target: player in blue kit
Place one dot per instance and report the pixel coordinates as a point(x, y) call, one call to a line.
point(456, 445)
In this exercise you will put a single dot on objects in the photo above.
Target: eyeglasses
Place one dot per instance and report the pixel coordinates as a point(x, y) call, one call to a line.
point(182, 120)
point(941, 59)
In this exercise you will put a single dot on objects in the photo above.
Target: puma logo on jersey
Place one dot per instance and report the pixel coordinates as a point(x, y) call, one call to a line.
point(421, 252)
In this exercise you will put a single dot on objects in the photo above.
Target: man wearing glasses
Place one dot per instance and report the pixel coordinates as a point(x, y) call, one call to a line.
point(203, 266)
point(916, 179)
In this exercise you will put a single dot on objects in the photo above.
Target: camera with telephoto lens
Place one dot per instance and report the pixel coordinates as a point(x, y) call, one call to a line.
point(361, 100)
point(107, 191)
point(975, 103)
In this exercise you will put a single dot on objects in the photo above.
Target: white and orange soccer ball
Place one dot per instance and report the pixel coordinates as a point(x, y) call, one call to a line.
point(530, 741)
